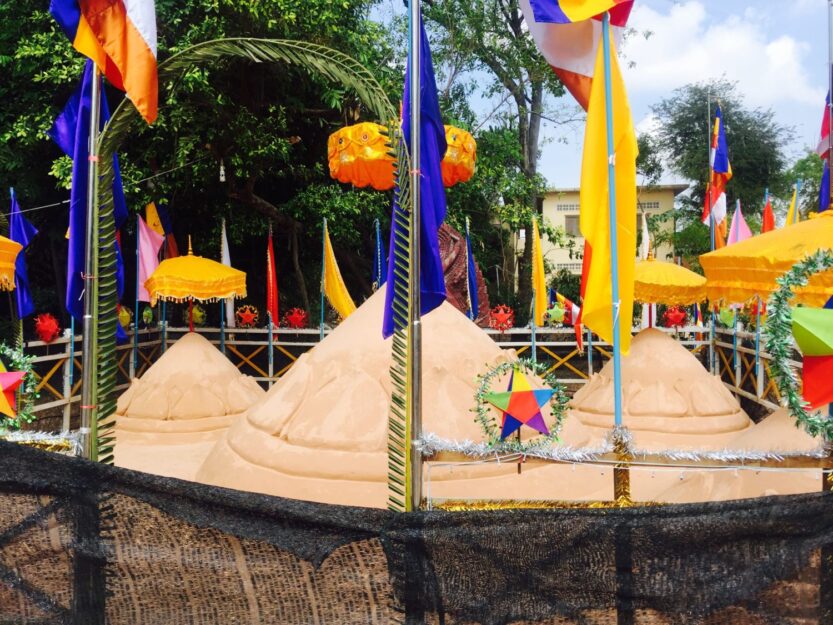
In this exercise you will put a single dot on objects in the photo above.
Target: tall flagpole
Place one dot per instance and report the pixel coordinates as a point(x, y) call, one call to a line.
point(413, 431)
point(89, 357)
point(323, 277)
point(829, 84)
point(136, 303)
point(614, 245)
point(712, 355)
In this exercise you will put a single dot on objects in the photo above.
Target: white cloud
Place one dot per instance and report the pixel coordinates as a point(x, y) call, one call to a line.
point(688, 45)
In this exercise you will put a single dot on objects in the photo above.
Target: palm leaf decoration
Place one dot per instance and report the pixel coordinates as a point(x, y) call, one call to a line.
point(334, 66)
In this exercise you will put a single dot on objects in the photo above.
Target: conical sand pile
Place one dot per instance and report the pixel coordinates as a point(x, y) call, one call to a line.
point(321, 433)
point(168, 419)
point(669, 401)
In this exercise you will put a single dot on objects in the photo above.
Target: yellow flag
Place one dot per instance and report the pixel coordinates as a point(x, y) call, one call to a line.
point(595, 222)
point(793, 216)
point(333, 285)
point(539, 280)
point(152, 219)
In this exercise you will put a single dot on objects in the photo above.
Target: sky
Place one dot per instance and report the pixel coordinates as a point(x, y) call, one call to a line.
point(775, 51)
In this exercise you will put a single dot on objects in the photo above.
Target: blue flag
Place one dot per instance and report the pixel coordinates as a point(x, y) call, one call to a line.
point(71, 131)
point(380, 265)
point(471, 278)
point(432, 207)
point(824, 189)
point(23, 232)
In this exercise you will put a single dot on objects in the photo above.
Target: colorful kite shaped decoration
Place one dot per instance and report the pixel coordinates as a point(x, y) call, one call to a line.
point(521, 405)
point(813, 332)
point(9, 381)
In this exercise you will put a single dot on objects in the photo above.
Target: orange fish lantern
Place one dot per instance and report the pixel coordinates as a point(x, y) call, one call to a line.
point(360, 155)
point(458, 163)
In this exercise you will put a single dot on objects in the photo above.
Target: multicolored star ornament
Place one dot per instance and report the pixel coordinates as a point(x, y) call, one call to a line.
point(521, 405)
point(9, 381)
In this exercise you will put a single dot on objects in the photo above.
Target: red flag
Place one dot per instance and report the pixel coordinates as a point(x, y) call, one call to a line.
point(768, 220)
point(271, 281)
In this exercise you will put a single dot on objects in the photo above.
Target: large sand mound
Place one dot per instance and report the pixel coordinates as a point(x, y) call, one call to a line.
point(168, 420)
point(321, 433)
point(669, 401)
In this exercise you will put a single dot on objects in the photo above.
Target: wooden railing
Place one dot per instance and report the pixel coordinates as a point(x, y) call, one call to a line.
point(57, 365)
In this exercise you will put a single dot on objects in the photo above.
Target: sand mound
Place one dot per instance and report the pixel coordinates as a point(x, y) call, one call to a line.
point(167, 420)
point(669, 400)
point(321, 432)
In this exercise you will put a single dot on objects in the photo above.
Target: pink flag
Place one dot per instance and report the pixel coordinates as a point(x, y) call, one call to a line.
point(149, 243)
point(739, 230)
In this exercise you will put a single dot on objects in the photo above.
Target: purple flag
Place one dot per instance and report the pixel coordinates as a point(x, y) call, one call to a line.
point(23, 232)
point(432, 207)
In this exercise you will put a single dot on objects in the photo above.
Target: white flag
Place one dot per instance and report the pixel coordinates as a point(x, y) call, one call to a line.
point(226, 260)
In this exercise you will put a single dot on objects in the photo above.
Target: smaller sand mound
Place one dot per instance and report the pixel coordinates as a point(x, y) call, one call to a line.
point(777, 433)
point(167, 420)
point(669, 400)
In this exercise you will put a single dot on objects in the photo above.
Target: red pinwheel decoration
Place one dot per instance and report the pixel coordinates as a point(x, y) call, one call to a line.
point(521, 405)
point(247, 316)
point(295, 318)
point(674, 317)
point(502, 318)
point(46, 327)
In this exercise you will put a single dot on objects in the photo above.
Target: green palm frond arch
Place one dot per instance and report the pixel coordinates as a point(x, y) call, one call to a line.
point(321, 60)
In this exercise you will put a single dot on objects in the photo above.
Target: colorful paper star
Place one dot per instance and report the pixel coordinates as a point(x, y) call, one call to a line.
point(9, 381)
point(521, 405)
point(813, 332)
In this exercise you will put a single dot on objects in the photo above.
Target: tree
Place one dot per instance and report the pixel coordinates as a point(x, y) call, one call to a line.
point(808, 169)
point(756, 152)
point(485, 45)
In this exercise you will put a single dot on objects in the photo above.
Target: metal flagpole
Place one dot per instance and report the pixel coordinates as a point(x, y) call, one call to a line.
point(471, 313)
point(614, 264)
point(533, 346)
point(89, 357)
point(712, 355)
point(136, 304)
point(414, 400)
point(323, 273)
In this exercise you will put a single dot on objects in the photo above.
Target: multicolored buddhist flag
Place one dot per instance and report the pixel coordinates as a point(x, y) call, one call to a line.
point(539, 278)
point(271, 281)
point(721, 173)
point(597, 306)
point(573, 317)
point(334, 288)
point(567, 32)
point(120, 36)
point(823, 147)
point(158, 218)
point(21, 231)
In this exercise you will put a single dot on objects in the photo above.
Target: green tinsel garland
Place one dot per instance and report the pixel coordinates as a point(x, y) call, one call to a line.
point(487, 421)
point(16, 360)
point(779, 342)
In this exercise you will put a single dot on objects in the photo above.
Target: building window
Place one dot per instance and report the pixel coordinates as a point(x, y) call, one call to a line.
point(566, 208)
point(571, 225)
point(648, 205)
point(574, 267)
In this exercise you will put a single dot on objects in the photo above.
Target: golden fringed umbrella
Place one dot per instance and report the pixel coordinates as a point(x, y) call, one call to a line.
point(741, 271)
point(194, 278)
point(658, 282)
point(8, 254)
point(361, 155)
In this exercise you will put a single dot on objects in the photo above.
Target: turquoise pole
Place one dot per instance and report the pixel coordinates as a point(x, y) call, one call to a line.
point(614, 246)
point(534, 346)
point(136, 306)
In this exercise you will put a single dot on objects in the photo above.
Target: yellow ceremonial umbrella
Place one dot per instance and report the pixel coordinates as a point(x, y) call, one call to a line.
point(741, 271)
point(8, 254)
point(194, 278)
point(659, 282)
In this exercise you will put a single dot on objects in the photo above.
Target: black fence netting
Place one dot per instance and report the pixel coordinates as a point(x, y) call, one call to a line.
point(84, 543)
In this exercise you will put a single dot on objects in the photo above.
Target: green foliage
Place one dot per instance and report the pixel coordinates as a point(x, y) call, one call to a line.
point(756, 152)
point(808, 169)
point(568, 284)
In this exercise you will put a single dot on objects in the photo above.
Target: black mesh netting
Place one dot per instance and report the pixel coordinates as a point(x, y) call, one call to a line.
point(90, 544)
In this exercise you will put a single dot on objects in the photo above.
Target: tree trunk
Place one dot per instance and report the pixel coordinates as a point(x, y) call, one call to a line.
point(296, 265)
